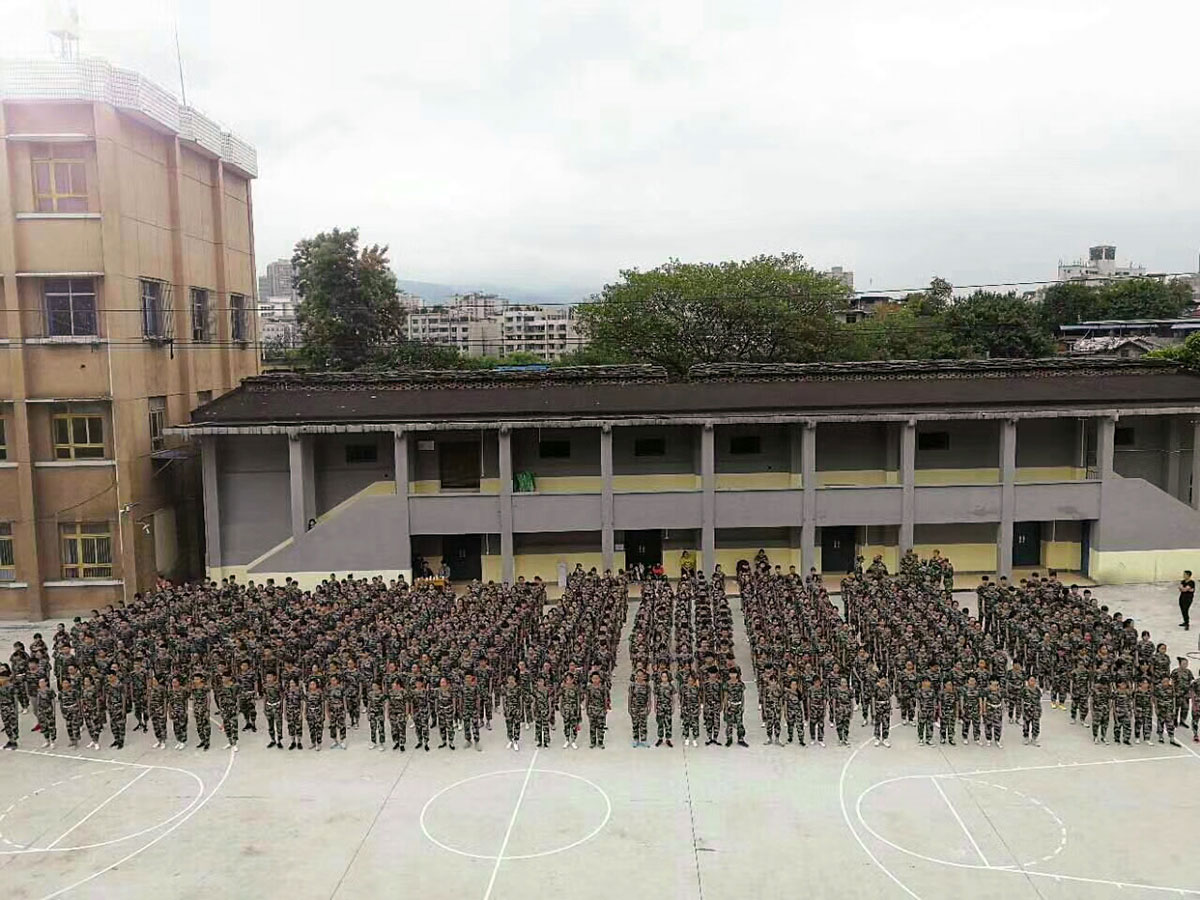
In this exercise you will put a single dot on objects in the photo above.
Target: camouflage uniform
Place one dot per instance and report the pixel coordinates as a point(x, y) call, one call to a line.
point(639, 709)
point(8, 711)
point(970, 712)
point(158, 696)
point(335, 699)
point(1122, 714)
point(376, 701)
point(664, 709)
point(68, 701)
point(200, 714)
point(513, 711)
point(883, 711)
point(294, 709)
point(1031, 713)
point(794, 713)
point(1164, 710)
point(843, 709)
point(541, 714)
point(397, 711)
point(247, 684)
point(689, 711)
point(926, 713)
point(818, 708)
point(1143, 714)
point(179, 713)
point(93, 716)
point(114, 700)
point(421, 713)
point(228, 697)
point(948, 712)
point(772, 709)
point(314, 712)
point(1080, 678)
point(1101, 705)
point(597, 712)
point(993, 713)
point(712, 710)
point(44, 709)
point(735, 708)
point(472, 711)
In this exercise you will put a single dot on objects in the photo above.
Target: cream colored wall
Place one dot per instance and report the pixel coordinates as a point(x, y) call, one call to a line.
point(756, 481)
point(957, 476)
point(889, 552)
point(1050, 473)
point(965, 557)
point(1062, 555)
point(569, 484)
point(58, 245)
point(1140, 566)
point(857, 477)
point(546, 564)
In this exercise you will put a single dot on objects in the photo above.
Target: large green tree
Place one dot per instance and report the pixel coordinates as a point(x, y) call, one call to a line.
point(765, 309)
point(998, 326)
point(1070, 302)
point(350, 315)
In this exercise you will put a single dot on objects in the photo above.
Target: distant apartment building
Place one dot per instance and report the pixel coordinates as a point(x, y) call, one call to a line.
point(278, 326)
point(278, 280)
point(547, 332)
point(127, 285)
point(447, 327)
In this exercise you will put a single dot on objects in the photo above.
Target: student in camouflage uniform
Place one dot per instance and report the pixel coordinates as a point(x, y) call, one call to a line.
point(772, 708)
point(639, 708)
point(843, 709)
point(513, 712)
point(91, 699)
point(793, 710)
point(314, 713)
point(179, 712)
point(570, 703)
point(1195, 702)
point(138, 686)
point(1122, 713)
point(883, 712)
point(1014, 686)
point(397, 711)
point(335, 704)
point(1101, 708)
point(1080, 690)
point(46, 712)
point(157, 696)
point(542, 709)
point(993, 713)
point(8, 708)
point(926, 712)
point(352, 691)
point(1031, 711)
point(712, 708)
point(1182, 678)
point(472, 710)
point(597, 710)
point(525, 683)
point(1143, 712)
point(817, 699)
point(200, 709)
point(689, 710)
point(228, 698)
point(114, 699)
point(1164, 709)
point(445, 707)
point(421, 705)
point(972, 710)
point(293, 700)
point(906, 692)
point(948, 707)
point(273, 709)
point(664, 708)
point(735, 709)
point(487, 692)
point(68, 701)
point(376, 703)
point(247, 684)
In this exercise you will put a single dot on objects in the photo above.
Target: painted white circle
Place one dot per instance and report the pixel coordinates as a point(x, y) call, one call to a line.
point(1058, 825)
point(508, 857)
point(25, 849)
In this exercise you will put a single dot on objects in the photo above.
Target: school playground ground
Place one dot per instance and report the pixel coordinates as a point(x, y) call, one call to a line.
point(1067, 820)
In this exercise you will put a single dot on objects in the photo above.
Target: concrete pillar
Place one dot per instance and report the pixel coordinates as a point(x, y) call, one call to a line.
point(607, 539)
point(891, 438)
point(403, 524)
point(1196, 464)
point(1008, 495)
point(1174, 453)
point(301, 478)
point(908, 482)
point(808, 474)
point(507, 562)
point(1106, 430)
point(708, 484)
point(209, 467)
point(796, 462)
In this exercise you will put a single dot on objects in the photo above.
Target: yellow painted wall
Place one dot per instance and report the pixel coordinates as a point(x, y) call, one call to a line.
point(1138, 566)
point(424, 487)
point(569, 484)
point(965, 557)
point(1050, 473)
point(756, 481)
point(489, 485)
point(492, 569)
point(890, 553)
point(728, 558)
point(857, 477)
point(1062, 555)
point(434, 486)
point(546, 564)
point(957, 476)
point(654, 483)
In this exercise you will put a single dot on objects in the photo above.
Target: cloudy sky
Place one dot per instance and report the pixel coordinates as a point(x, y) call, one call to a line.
point(546, 145)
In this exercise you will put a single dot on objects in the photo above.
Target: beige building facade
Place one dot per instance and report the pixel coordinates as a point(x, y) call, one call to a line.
point(127, 298)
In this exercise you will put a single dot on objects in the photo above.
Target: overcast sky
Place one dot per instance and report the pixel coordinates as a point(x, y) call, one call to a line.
point(546, 145)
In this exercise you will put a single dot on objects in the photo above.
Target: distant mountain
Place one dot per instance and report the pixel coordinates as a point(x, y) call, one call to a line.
point(432, 292)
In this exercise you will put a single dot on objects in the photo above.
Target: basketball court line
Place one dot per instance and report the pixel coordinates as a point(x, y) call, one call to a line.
point(958, 819)
point(512, 821)
point(111, 797)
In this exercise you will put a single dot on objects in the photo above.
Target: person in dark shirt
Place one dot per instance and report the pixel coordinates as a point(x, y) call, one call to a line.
point(1187, 590)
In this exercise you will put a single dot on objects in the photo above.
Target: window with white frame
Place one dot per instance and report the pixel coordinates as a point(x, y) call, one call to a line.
point(70, 305)
point(8, 554)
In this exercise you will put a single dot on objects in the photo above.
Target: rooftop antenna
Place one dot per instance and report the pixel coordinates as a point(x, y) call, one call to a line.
point(62, 19)
point(179, 61)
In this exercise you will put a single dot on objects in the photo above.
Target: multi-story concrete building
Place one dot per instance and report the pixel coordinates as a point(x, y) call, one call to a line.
point(1100, 266)
point(548, 332)
point(277, 280)
point(1083, 465)
point(127, 278)
point(449, 328)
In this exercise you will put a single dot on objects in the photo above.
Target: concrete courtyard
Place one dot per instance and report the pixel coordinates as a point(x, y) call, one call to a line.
point(1068, 819)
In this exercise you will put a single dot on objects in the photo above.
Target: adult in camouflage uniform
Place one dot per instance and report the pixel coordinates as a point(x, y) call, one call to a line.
point(69, 703)
point(514, 712)
point(1014, 686)
point(906, 692)
point(972, 710)
point(376, 707)
point(247, 684)
point(228, 697)
point(817, 709)
point(735, 709)
point(44, 707)
point(8, 708)
point(157, 697)
point(293, 701)
point(139, 683)
point(689, 709)
point(793, 710)
point(114, 700)
point(926, 712)
point(1101, 707)
point(664, 708)
point(421, 705)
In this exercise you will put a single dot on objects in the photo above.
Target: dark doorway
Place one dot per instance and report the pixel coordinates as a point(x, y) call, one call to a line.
point(458, 464)
point(644, 547)
point(1027, 543)
point(461, 552)
point(838, 549)
point(1085, 546)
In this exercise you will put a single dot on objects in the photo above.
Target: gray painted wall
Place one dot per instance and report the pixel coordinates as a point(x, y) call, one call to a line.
point(750, 509)
point(774, 443)
point(682, 447)
point(584, 458)
point(753, 537)
point(360, 539)
point(254, 496)
point(1147, 457)
point(338, 480)
point(1046, 442)
point(1141, 517)
point(850, 447)
point(579, 541)
point(972, 445)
